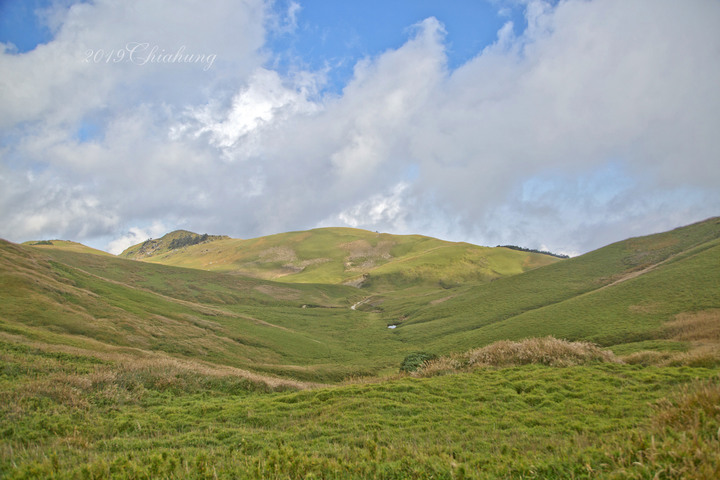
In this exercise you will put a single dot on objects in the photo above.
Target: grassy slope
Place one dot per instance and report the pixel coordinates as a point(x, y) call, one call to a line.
point(66, 298)
point(576, 298)
point(66, 245)
point(336, 255)
point(159, 246)
point(261, 325)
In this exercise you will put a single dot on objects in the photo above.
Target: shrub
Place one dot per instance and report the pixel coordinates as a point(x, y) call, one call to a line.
point(415, 361)
point(532, 250)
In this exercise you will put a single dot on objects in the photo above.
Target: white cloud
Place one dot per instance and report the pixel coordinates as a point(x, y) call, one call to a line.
point(386, 211)
point(136, 235)
point(571, 95)
point(286, 21)
point(92, 63)
point(39, 208)
point(264, 100)
point(598, 120)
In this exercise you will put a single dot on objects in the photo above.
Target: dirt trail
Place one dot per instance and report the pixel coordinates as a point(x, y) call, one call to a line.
point(364, 300)
point(637, 273)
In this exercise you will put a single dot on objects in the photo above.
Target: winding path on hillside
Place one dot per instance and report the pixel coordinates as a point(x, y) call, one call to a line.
point(630, 275)
point(364, 300)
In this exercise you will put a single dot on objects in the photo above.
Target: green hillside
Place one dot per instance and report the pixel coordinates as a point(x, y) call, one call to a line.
point(116, 368)
point(66, 245)
point(616, 295)
point(172, 241)
point(620, 296)
point(344, 255)
point(66, 298)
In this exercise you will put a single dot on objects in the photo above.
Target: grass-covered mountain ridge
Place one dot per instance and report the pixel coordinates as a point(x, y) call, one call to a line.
point(317, 323)
point(339, 256)
point(172, 241)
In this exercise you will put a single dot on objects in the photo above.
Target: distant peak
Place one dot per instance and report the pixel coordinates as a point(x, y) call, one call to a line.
point(174, 240)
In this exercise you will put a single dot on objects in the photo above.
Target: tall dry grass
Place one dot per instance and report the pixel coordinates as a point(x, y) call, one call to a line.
point(133, 361)
point(703, 326)
point(76, 377)
point(545, 351)
point(684, 441)
point(700, 329)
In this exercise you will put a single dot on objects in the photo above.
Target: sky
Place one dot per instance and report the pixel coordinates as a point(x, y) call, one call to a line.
point(562, 126)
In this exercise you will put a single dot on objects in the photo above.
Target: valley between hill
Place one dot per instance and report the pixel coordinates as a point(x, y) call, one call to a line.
point(197, 356)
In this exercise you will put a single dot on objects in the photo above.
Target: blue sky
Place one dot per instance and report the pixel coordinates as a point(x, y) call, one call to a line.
point(327, 34)
point(21, 26)
point(336, 35)
point(555, 125)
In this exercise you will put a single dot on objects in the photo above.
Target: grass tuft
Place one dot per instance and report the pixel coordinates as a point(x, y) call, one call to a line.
point(544, 351)
point(696, 326)
point(701, 330)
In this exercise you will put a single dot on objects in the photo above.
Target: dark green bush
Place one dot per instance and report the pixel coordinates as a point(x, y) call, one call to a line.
point(416, 360)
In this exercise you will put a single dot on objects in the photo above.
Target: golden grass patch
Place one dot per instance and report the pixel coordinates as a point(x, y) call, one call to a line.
point(695, 326)
point(545, 351)
point(701, 329)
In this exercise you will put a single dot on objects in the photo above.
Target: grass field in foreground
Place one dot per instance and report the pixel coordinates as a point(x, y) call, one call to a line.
point(67, 416)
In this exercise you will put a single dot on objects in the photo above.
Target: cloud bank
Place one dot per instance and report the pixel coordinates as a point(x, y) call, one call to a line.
point(595, 121)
